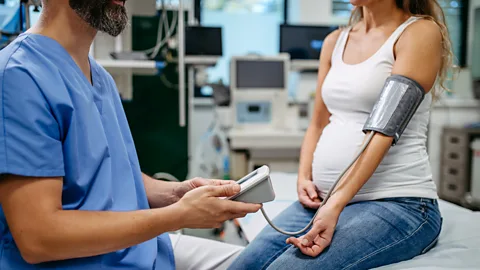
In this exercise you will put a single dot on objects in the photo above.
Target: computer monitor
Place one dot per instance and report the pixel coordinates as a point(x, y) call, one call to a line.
point(203, 41)
point(303, 41)
point(262, 74)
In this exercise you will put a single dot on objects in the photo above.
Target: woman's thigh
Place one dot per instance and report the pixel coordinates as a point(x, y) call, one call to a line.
point(270, 244)
point(372, 234)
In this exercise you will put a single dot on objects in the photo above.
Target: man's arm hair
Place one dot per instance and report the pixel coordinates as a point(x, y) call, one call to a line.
point(160, 193)
point(44, 232)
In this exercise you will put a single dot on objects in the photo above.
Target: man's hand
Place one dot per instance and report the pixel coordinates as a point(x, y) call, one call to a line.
point(307, 194)
point(203, 208)
point(162, 193)
point(197, 182)
point(321, 234)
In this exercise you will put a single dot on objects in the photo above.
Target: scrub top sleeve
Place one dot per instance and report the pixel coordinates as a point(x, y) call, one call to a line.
point(30, 143)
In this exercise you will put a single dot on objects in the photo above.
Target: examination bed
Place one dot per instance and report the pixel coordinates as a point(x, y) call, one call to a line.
point(458, 246)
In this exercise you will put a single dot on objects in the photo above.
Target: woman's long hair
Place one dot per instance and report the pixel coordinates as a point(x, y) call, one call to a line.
point(431, 10)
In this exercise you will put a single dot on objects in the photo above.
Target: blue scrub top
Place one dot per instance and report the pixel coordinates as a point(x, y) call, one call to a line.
point(55, 123)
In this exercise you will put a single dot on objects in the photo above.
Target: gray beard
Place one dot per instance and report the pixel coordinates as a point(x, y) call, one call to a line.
point(101, 15)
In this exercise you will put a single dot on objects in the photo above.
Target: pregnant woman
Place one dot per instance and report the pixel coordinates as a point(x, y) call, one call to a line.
point(385, 209)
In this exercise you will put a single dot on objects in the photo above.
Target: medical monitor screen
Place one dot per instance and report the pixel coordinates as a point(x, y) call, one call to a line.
point(205, 41)
point(260, 74)
point(303, 41)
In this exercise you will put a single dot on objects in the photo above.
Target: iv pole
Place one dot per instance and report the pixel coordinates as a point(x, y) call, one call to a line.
point(181, 64)
point(26, 7)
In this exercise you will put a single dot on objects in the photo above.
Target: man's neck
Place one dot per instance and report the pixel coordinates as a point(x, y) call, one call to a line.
point(68, 29)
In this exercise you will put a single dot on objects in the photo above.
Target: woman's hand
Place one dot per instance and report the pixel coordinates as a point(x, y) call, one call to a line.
point(307, 194)
point(320, 235)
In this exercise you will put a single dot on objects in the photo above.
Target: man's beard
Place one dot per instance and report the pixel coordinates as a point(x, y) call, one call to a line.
point(102, 15)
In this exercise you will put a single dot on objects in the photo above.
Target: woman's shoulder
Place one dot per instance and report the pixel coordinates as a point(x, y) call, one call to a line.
point(422, 28)
point(332, 38)
point(330, 43)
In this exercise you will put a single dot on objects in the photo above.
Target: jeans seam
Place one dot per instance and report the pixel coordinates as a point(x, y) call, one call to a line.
point(435, 240)
point(385, 248)
point(274, 257)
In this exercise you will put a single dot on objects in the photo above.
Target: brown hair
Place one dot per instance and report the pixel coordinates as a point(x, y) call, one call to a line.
point(431, 10)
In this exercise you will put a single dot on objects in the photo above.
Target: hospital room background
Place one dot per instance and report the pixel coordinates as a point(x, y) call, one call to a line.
point(218, 88)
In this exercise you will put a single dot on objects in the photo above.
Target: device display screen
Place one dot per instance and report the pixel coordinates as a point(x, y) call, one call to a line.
point(254, 108)
point(260, 74)
point(303, 42)
point(245, 179)
point(203, 41)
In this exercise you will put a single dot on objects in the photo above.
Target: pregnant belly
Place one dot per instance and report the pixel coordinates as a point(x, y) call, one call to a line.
point(405, 164)
point(336, 148)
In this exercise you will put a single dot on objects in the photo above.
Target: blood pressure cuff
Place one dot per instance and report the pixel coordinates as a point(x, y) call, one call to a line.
point(398, 102)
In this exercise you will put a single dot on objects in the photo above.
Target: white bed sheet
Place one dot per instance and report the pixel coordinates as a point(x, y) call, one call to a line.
point(458, 246)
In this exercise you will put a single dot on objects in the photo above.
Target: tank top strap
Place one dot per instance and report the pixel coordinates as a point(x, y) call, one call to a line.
point(398, 32)
point(337, 53)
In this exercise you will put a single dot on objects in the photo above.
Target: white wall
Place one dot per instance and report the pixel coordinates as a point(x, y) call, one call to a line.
point(313, 12)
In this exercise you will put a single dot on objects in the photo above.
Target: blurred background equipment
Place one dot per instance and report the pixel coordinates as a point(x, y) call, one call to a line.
point(203, 41)
point(259, 91)
point(211, 159)
point(16, 16)
point(476, 54)
point(303, 41)
point(459, 182)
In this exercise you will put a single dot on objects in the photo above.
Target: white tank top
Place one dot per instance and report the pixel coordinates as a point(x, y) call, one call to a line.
point(350, 92)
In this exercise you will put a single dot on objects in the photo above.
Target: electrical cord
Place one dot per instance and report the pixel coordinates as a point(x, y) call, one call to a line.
point(164, 24)
point(168, 83)
point(165, 176)
point(369, 139)
point(168, 34)
point(6, 34)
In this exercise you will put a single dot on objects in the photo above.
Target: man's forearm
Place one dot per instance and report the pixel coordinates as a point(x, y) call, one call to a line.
point(361, 171)
point(161, 193)
point(76, 234)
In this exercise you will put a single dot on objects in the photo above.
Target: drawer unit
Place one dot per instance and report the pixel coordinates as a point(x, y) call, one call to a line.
point(455, 164)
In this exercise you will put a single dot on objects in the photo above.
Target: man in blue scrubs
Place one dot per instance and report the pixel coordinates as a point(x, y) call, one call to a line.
point(71, 191)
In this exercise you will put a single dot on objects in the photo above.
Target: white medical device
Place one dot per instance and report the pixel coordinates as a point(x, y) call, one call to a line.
point(259, 91)
point(256, 187)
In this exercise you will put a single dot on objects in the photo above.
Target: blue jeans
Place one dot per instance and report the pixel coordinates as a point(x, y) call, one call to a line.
point(369, 234)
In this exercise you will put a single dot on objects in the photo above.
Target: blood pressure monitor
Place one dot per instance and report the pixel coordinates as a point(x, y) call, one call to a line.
point(256, 187)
